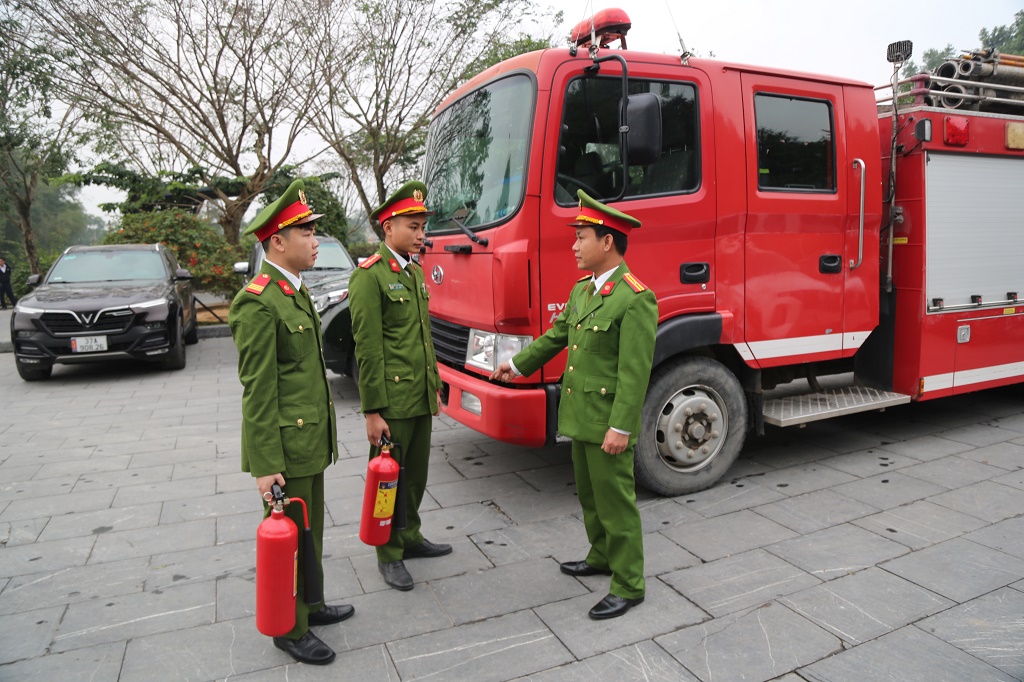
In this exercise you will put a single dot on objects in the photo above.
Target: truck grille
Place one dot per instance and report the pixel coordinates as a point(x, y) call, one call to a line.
point(106, 322)
point(450, 342)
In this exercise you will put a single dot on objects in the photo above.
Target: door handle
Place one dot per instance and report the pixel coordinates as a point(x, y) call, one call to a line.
point(830, 263)
point(694, 273)
point(860, 239)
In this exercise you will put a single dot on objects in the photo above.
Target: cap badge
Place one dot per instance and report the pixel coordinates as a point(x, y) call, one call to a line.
point(302, 196)
point(417, 195)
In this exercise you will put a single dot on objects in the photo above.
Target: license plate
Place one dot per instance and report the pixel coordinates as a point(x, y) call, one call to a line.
point(88, 344)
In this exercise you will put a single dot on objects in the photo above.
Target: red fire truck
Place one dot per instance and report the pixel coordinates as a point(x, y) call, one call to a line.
point(793, 228)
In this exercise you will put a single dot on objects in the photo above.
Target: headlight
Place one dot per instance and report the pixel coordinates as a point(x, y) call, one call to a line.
point(487, 350)
point(325, 301)
point(19, 308)
point(148, 304)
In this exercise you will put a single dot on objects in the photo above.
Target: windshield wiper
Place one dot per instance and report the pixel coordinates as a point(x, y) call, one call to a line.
point(482, 241)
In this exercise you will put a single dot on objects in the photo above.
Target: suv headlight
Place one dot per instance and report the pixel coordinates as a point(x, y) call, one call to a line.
point(138, 307)
point(487, 350)
point(325, 301)
point(19, 308)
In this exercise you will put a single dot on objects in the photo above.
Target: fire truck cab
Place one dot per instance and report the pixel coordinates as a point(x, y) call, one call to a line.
point(767, 205)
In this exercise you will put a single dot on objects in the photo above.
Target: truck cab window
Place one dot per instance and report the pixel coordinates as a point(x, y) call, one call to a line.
point(589, 144)
point(795, 144)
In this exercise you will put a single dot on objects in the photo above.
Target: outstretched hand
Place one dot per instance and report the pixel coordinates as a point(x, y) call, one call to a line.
point(503, 373)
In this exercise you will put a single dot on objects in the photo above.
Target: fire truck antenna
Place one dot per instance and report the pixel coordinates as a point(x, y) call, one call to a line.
point(587, 7)
point(685, 53)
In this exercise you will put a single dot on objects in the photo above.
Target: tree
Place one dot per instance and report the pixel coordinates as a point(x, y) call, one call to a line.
point(377, 99)
point(1009, 39)
point(221, 87)
point(36, 142)
point(930, 60)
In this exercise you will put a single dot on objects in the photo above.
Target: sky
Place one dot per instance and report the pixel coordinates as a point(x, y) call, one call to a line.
point(816, 36)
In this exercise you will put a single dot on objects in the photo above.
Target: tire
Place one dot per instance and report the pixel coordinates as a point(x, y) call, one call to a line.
point(176, 355)
point(33, 372)
point(699, 395)
point(192, 335)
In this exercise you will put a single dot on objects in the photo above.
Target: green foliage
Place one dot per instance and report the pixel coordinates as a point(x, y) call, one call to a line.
point(930, 59)
point(1008, 39)
point(363, 249)
point(20, 269)
point(196, 244)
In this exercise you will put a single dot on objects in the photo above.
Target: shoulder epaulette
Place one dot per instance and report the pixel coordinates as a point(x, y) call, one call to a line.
point(286, 287)
point(258, 285)
point(584, 277)
point(370, 261)
point(634, 284)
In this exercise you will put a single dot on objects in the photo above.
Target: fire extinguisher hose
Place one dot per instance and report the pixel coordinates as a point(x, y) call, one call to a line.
point(311, 588)
point(401, 501)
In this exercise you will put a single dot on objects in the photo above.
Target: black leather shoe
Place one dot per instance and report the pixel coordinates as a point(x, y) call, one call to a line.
point(331, 614)
point(613, 607)
point(582, 568)
point(306, 649)
point(396, 575)
point(426, 550)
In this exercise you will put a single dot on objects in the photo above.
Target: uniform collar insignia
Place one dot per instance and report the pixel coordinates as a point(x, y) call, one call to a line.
point(286, 287)
point(394, 265)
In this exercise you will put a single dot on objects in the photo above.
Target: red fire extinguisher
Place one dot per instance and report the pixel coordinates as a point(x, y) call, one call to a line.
point(277, 567)
point(384, 493)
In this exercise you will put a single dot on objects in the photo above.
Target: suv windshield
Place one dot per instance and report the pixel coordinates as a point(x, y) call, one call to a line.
point(107, 266)
point(332, 256)
point(476, 155)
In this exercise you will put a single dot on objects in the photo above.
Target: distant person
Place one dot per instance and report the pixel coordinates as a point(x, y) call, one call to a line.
point(6, 293)
point(289, 427)
point(398, 378)
point(609, 326)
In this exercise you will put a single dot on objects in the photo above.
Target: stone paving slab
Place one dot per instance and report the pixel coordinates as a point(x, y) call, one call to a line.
point(126, 544)
point(865, 605)
point(866, 463)
point(919, 524)
point(927, 448)
point(641, 662)
point(958, 569)
point(814, 511)
point(1006, 536)
point(906, 654)
point(81, 665)
point(986, 500)
point(758, 644)
point(728, 534)
point(498, 649)
point(565, 539)
point(1005, 455)
point(990, 628)
point(836, 551)
point(28, 634)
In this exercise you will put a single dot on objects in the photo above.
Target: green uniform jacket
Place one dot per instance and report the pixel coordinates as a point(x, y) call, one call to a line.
point(611, 348)
point(288, 420)
point(397, 368)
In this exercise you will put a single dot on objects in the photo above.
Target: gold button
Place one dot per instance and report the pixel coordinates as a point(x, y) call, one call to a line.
point(595, 327)
point(299, 422)
point(300, 327)
point(569, 391)
point(603, 391)
point(570, 368)
point(574, 346)
point(401, 300)
point(578, 326)
point(396, 378)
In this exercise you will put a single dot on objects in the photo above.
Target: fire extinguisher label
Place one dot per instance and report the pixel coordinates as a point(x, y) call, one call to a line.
point(384, 506)
point(295, 574)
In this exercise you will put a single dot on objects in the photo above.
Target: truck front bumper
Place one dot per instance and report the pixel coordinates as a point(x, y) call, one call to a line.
point(523, 416)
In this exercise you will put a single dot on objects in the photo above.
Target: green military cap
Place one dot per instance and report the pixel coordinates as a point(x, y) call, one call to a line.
point(592, 212)
point(290, 209)
point(407, 200)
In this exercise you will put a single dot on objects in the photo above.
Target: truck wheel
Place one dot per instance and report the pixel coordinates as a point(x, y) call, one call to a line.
point(693, 425)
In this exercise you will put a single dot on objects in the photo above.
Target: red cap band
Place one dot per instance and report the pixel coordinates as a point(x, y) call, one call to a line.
point(590, 217)
point(286, 217)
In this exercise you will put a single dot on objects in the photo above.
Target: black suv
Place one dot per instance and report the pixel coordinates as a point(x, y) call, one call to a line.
point(105, 303)
point(327, 282)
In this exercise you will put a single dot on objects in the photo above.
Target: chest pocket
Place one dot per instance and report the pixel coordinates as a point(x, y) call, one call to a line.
point(596, 337)
point(399, 305)
point(298, 337)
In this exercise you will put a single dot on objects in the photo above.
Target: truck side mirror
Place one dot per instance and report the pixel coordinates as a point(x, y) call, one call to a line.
point(643, 117)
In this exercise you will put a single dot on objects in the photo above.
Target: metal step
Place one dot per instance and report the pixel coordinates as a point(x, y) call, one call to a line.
point(832, 402)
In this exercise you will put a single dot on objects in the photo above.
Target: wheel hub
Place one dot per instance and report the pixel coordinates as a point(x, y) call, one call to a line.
point(690, 428)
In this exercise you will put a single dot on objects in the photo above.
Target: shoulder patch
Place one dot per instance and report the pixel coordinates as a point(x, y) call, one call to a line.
point(394, 265)
point(634, 284)
point(584, 277)
point(258, 285)
point(607, 288)
point(370, 261)
point(286, 287)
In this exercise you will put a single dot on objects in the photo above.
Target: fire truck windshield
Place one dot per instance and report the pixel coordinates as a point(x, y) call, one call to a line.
point(476, 155)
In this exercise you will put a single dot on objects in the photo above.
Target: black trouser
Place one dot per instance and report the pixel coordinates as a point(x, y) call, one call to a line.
point(5, 289)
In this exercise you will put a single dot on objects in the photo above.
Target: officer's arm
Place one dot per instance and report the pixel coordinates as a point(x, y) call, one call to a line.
point(368, 333)
point(255, 334)
point(637, 334)
point(547, 345)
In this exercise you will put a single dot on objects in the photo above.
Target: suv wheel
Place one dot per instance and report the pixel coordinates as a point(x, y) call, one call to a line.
point(192, 335)
point(176, 355)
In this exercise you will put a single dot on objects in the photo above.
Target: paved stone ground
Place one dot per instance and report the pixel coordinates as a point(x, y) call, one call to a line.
point(882, 546)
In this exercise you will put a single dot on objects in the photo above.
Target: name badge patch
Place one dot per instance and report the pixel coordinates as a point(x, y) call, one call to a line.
point(396, 286)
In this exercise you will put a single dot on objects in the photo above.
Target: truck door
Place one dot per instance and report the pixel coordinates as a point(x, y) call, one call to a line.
point(795, 247)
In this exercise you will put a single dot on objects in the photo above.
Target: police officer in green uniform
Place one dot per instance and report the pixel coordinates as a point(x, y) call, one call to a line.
point(289, 429)
point(398, 378)
point(608, 326)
